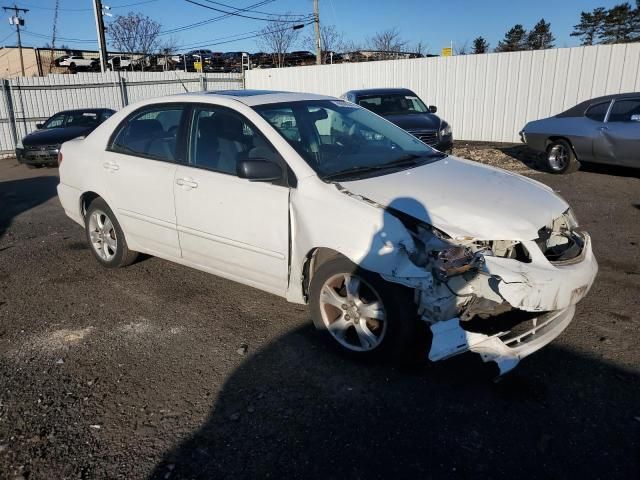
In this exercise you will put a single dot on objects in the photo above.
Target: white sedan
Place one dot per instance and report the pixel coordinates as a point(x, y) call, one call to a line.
point(322, 202)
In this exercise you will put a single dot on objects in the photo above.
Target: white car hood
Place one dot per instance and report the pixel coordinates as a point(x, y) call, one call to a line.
point(466, 199)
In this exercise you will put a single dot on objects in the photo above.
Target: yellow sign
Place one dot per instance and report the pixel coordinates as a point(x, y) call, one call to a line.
point(197, 66)
point(447, 52)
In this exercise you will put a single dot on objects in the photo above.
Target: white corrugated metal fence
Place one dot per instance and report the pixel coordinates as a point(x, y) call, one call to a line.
point(30, 100)
point(485, 97)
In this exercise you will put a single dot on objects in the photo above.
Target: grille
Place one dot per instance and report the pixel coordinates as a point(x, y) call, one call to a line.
point(36, 148)
point(430, 137)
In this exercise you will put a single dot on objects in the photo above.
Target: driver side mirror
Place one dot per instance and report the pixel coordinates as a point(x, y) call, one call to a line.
point(259, 170)
point(433, 108)
point(39, 125)
point(635, 118)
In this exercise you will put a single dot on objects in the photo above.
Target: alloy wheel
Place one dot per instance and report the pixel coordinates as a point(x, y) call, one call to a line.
point(103, 235)
point(558, 157)
point(353, 312)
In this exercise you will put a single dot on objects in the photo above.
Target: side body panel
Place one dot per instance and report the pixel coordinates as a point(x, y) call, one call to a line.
point(233, 227)
point(141, 194)
point(619, 144)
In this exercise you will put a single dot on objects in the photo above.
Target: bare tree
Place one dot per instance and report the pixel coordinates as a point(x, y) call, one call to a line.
point(463, 48)
point(134, 33)
point(387, 42)
point(277, 37)
point(421, 48)
point(331, 40)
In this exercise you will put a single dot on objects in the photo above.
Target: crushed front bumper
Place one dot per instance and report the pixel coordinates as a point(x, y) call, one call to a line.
point(505, 348)
point(544, 291)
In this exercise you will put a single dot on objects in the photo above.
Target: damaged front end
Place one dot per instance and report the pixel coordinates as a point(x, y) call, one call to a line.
point(502, 299)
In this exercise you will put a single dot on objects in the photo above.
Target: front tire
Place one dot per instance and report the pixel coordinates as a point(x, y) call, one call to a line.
point(364, 315)
point(561, 158)
point(105, 236)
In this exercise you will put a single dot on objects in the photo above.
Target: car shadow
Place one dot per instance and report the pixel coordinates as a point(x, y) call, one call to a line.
point(613, 170)
point(18, 196)
point(296, 409)
point(535, 161)
point(527, 156)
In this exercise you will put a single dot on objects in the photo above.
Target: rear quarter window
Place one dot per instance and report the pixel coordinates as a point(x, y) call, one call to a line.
point(598, 112)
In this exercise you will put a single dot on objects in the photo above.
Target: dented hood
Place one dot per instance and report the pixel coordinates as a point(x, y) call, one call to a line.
point(466, 199)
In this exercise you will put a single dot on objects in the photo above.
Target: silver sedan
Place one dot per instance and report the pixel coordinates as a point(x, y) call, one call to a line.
point(602, 130)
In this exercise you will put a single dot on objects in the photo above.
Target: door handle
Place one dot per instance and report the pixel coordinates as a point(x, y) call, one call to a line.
point(187, 182)
point(602, 129)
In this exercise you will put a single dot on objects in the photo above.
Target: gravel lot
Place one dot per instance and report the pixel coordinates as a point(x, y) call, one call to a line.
point(160, 371)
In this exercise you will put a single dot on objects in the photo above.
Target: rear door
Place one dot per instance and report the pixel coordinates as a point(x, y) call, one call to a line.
point(228, 225)
point(140, 165)
point(618, 140)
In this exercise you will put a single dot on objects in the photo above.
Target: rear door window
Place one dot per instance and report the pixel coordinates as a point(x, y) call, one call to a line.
point(150, 132)
point(598, 111)
point(622, 110)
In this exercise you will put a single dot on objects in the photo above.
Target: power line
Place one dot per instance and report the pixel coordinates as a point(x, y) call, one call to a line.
point(165, 32)
point(2, 41)
point(259, 12)
point(302, 18)
point(213, 19)
point(37, 7)
point(66, 39)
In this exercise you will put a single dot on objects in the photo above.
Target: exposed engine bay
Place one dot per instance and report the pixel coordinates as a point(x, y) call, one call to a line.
point(503, 299)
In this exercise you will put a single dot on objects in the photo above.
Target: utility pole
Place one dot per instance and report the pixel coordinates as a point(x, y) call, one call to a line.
point(17, 21)
point(102, 44)
point(316, 22)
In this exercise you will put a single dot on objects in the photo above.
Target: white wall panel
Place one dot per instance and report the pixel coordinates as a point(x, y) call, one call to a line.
point(484, 97)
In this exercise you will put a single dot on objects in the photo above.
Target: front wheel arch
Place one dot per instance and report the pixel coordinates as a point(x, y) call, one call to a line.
point(560, 164)
point(555, 138)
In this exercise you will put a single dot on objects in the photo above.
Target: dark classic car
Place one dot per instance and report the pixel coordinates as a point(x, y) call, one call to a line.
point(405, 109)
point(41, 147)
point(602, 130)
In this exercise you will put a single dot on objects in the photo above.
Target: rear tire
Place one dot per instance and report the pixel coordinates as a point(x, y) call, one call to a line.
point(561, 157)
point(105, 236)
point(365, 316)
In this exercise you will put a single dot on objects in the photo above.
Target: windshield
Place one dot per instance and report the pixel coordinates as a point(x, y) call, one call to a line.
point(341, 140)
point(393, 104)
point(73, 119)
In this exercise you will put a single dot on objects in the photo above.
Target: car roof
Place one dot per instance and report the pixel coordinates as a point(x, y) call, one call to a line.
point(262, 97)
point(580, 109)
point(86, 110)
point(380, 91)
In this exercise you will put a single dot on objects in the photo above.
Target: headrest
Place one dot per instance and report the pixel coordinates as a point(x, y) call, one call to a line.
point(139, 129)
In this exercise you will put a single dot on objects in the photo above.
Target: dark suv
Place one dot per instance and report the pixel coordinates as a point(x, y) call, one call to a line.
point(404, 108)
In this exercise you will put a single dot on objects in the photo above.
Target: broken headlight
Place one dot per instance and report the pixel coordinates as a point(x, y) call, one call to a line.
point(561, 241)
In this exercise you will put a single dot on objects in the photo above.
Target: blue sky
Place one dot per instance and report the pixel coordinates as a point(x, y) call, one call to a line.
point(435, 23)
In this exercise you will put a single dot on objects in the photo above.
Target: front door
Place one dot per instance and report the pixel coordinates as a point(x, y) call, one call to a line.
point(618, 141)
point(228, 225)
point(140, 165)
